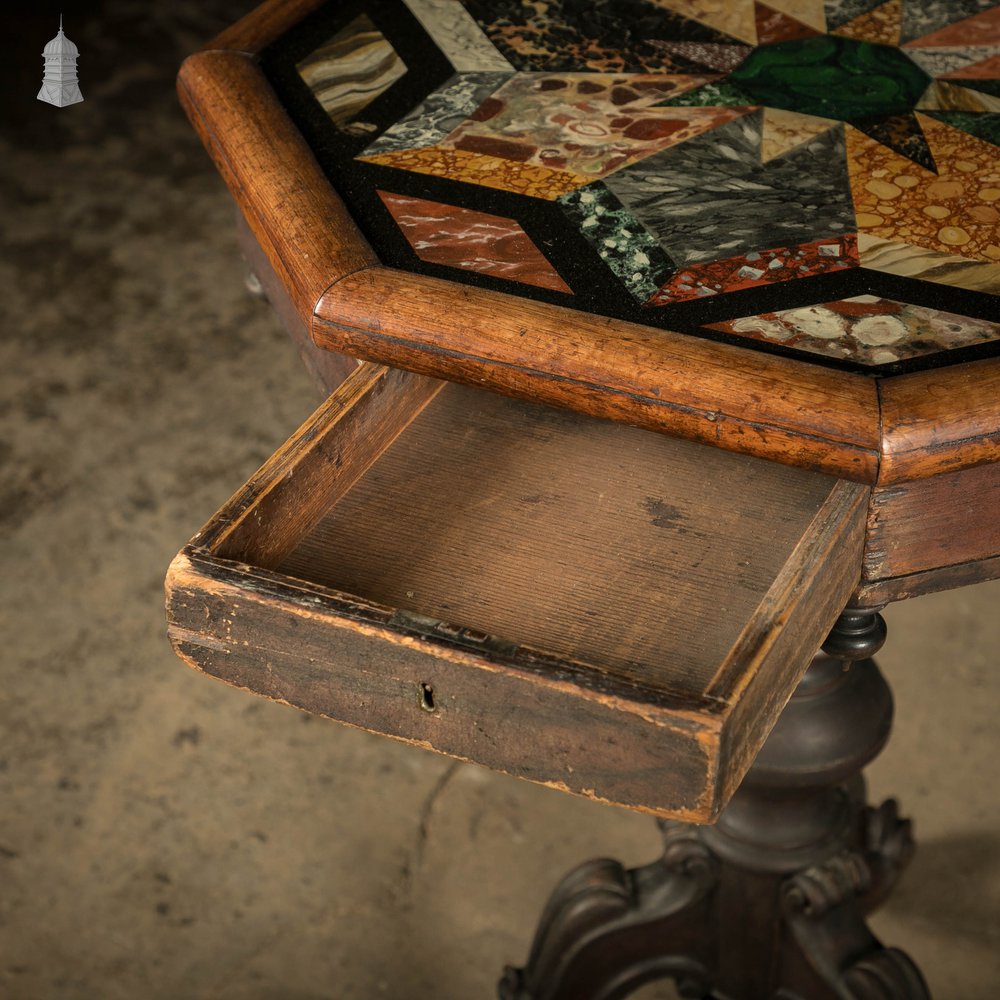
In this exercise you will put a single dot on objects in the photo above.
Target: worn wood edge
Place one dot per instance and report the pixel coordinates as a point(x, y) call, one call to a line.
point(927, 524)
point(194, 571)
point(878, 593)
point(329, 453)
point(939, 421)
point(255, 31)
point(771, 654)
point(317, 601)
point(294, 213)
point(742, 400)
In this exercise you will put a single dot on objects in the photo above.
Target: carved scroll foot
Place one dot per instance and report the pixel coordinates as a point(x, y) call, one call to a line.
point(831, 954)
point(607, 931)
point(770, 903)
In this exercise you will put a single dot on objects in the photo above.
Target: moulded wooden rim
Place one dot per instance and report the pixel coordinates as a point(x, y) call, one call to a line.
point(859, 427)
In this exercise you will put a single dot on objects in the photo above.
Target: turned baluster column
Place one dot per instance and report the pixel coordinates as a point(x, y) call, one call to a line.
point(769, 903)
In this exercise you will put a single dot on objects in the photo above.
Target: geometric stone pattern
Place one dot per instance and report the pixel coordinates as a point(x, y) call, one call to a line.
point(865, 328)
point(474, 241)
point(699, 150)
point(351, 70)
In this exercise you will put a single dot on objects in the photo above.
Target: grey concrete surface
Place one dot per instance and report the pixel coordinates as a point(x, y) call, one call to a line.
point(164, 837)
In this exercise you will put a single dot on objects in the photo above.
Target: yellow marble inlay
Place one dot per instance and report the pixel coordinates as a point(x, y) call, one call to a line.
point(881, 25)
point(784, 130)
point(954, 211)
point(944, 96)
point(490, 171)
point(929, 265)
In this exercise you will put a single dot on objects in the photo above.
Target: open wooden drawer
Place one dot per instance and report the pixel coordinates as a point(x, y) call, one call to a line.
point(581, 603)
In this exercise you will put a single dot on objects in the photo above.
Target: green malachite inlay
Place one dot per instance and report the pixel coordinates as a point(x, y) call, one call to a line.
point(832, 77)
point(982, 126)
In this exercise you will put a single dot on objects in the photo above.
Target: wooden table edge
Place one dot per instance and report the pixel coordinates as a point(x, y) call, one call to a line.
point(296, 216)
point(256, 30)
point(714, 393)
point(856, 426)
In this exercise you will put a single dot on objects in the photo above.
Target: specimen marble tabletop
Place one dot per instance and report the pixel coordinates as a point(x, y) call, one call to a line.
point(773, 228)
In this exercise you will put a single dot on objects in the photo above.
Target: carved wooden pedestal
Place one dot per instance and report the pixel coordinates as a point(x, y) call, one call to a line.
point(770, 903)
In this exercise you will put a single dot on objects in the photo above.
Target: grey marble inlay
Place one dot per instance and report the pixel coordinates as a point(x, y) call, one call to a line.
point(938, 60)
point(440, 113)
point(840, 12)
point(457, 35)
point(711, 198)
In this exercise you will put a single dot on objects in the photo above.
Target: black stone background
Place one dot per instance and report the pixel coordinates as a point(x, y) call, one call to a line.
point(596, 288)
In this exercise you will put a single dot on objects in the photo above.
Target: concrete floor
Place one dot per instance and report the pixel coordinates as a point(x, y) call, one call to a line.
point(164, 837)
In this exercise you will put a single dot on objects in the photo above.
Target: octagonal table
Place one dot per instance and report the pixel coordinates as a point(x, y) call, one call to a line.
point(750, 254)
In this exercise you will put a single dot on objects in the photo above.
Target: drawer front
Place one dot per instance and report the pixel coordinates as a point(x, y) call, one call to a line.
point(584, 604)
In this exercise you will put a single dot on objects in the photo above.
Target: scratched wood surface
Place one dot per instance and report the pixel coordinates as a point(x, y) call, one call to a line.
point(593, 606)
point(589, 539)
point(932, 534)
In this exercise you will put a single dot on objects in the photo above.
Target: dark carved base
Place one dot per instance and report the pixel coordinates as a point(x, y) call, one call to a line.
point(770, 903)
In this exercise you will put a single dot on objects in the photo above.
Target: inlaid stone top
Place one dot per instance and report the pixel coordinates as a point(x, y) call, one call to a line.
point(812, 178)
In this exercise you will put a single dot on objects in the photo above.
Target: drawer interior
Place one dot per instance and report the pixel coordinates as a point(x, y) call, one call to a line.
point(586, 566)
point(596, 541)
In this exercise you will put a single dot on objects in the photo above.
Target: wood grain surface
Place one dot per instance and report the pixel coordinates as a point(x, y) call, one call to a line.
point(878, 593)
point(262, 25)
point(940, 421)
point(328, 454)
point(613, 612)
point(931, 534)
point(592, 540)
point(944, 520)
point(518, 712)
point(302, 226)
point(745, 401)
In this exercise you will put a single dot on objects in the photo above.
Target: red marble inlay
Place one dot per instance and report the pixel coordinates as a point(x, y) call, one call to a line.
point(765, 267)
point(988, 69)
point(473, 241)
point(980, 29)
point(776, 26)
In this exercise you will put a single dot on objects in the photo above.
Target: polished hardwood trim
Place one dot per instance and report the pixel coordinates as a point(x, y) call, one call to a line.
point(256, 30)
point(300, 223)
point(745, 401)
point(940, 420)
